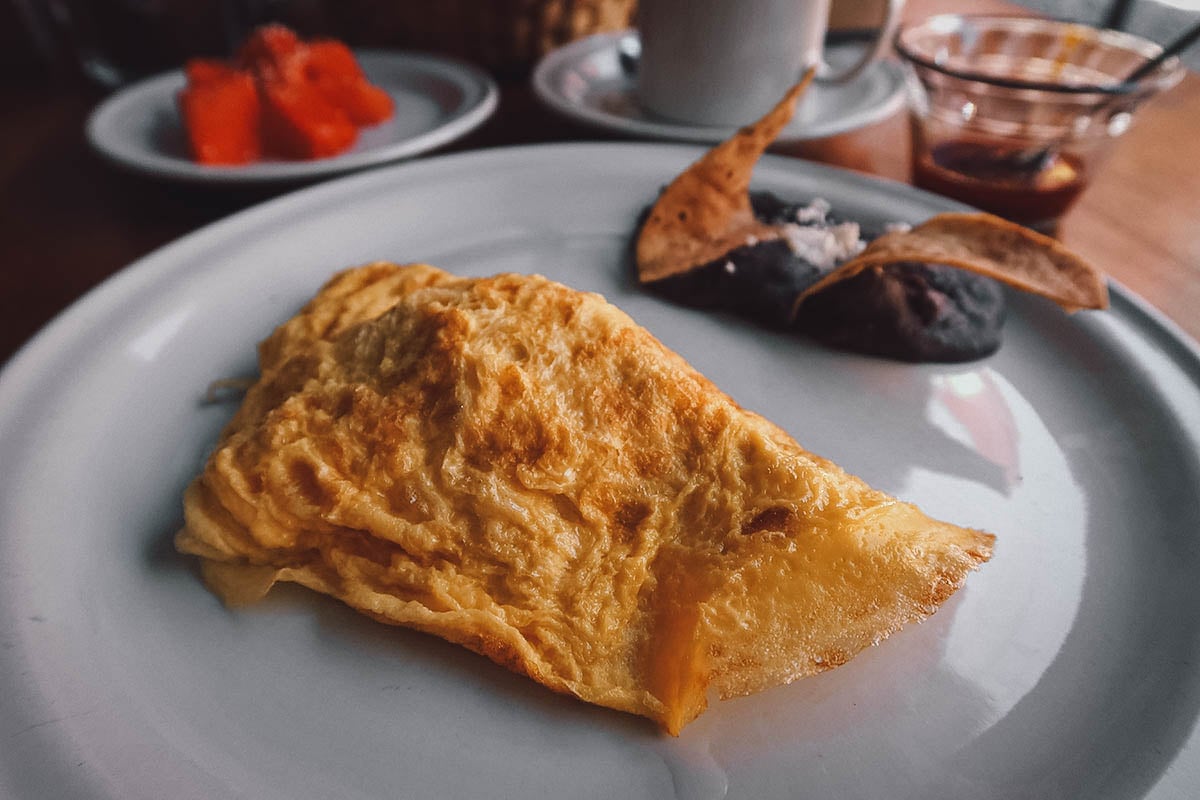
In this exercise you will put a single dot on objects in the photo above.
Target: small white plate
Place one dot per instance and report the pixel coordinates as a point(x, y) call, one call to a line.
point(586, 81)
point(437, 101)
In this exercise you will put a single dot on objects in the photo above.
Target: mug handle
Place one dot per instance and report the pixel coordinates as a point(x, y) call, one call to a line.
point(879, 44)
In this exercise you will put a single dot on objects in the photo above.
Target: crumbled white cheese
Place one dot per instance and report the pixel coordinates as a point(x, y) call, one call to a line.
point(897, 227)
point(730, 267)
point(751, 239)
point(824, 247)
point(814, 212)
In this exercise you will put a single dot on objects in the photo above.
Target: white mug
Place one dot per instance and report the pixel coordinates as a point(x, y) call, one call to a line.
point(727, 62)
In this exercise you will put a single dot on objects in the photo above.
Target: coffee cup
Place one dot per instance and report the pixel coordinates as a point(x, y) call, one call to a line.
point(727, 62)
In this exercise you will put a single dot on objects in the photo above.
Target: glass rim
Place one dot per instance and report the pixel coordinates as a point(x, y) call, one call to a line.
point(1167, 73)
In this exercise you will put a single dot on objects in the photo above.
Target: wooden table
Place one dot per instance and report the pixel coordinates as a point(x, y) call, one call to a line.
point(69, 220)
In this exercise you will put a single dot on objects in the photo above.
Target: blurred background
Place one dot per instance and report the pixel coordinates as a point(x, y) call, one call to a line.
point(109, 42)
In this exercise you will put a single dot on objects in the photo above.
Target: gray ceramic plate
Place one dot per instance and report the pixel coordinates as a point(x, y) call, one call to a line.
point(1067, 667)
point(587, 81)
point(437, 101)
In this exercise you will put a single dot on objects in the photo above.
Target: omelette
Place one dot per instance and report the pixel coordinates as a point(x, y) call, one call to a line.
point(520, 468)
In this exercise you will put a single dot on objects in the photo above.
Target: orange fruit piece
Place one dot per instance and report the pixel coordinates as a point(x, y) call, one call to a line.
point(206, 70)
point(279, 97)
point(298, 122)
point(220, 110)
point(272, 52)
point(332, 67)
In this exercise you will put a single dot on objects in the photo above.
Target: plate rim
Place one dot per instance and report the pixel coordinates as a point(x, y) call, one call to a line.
point(556, 60)
point(482, 99)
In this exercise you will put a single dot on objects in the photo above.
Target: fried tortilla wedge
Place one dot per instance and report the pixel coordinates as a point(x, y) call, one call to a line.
point(705, 212)
point(518, 467)
point(986, 245)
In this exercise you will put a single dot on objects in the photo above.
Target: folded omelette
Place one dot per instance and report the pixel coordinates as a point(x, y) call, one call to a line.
point(518, 467)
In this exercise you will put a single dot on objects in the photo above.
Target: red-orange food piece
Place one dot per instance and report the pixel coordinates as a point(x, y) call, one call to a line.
point(206, 70)
point(331, 66)
point(280, 97)
point(298, 122)
point(329, 58)
point(273, 52)
point(220, 113)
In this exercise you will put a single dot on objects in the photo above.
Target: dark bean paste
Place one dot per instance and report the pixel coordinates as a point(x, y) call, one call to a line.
point(909, 312)
point(906, 311)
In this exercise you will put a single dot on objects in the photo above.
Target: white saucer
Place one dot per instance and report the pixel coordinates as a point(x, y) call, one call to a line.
point(437, 101)
point(586, 80)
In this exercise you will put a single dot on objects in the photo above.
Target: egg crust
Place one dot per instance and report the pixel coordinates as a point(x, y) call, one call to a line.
point(518, 467)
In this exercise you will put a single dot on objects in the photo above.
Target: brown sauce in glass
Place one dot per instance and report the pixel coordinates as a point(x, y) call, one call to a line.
point(988, 176)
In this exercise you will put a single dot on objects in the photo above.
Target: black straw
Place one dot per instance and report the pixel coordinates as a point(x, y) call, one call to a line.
point(1174, 48)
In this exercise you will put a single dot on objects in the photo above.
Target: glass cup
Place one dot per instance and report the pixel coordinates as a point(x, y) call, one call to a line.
point(1013, 114)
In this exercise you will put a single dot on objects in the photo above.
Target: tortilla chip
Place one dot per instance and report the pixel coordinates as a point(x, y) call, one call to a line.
point(987, 245)
point(705, 212)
